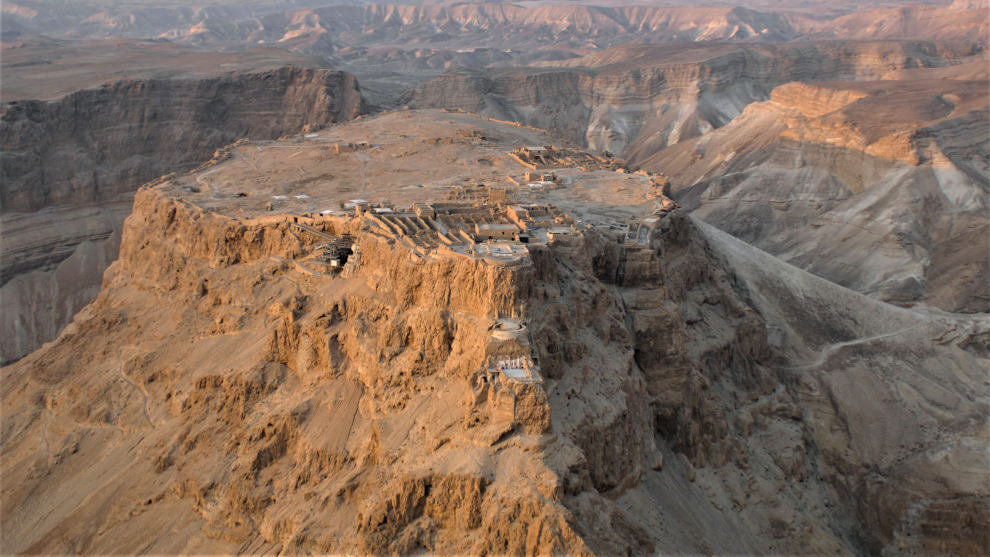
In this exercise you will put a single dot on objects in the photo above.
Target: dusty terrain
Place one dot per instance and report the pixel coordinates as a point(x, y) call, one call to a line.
point(695, 394)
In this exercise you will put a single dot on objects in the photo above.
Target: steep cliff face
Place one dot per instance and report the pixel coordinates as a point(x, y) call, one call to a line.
point(355, 394)
point(634, 101)
point(236, 399)
point(371, 363)
point(94, 144)
point(352, 394)
point(85, 153)
point(52, 264)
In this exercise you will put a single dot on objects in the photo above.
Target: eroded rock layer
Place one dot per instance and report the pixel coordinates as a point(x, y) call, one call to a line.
point(635, 100)
point(880, 186)
point(68, 168)
point(627, 380)
point(111, 139)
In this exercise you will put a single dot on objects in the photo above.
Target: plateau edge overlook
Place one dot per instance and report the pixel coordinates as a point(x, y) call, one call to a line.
point(494, 278)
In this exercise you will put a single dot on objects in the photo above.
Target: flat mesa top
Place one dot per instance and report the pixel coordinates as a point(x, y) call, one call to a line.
point(48, 69)
point(401, 158)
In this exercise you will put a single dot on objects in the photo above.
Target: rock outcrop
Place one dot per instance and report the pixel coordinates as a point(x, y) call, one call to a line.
point(385, 360)
point(636, 100)
point(879, 186)
point(97, 143)
point(695, 394)
point(68, 166)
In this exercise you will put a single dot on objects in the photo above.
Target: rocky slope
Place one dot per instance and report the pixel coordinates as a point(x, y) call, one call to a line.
point(891, 400)
point(635, 100)
point(85, 153)
point(876, 182)
point(878, 186)
point(696, 396)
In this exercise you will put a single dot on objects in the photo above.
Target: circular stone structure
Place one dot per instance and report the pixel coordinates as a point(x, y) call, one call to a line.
point(506, 328)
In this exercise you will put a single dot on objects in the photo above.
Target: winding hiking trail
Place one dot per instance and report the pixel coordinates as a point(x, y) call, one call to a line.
point(138, 387)
point(835, 347)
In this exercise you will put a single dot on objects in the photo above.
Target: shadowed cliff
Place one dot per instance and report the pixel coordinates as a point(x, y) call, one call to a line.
point(67, 168)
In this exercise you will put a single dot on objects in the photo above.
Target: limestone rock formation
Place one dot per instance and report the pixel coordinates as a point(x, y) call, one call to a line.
point(180, 123)
point(879, 186)
point(230, 391)
point(636, 100)
point(69, 166)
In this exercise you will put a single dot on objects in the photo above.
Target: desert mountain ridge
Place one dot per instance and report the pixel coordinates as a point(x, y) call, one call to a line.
point(826, 154)
point(327, 28)
point(494, 277)
point(880, 185)
point(438, 394)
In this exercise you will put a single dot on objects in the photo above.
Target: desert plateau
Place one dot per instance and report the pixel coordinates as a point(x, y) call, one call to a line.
point(486, 278)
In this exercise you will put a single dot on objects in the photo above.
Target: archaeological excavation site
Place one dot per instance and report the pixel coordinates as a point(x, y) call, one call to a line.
point(494, 279)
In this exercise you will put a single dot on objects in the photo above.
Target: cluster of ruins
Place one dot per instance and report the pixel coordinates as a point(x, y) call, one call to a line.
point(520, 368)
point(508, 382)
point(493, 225)
point(527, 188)
point(551, 156)
point(508, 353)
point(493, 233)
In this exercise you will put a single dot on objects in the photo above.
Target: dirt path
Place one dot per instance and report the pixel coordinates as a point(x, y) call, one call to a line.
point(199, 179)
point(140, 388)
point(835, 347)
point(44, 432)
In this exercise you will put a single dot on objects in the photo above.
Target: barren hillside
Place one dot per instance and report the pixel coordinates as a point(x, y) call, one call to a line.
point(880, 186)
